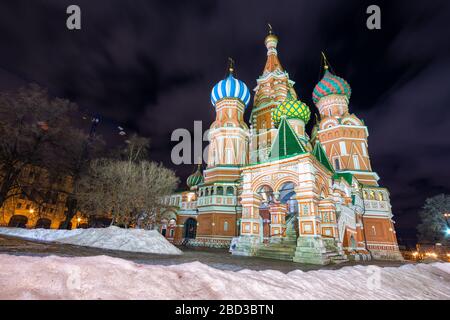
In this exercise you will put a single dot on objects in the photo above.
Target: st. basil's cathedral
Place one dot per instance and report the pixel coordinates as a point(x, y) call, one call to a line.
point(272, 190)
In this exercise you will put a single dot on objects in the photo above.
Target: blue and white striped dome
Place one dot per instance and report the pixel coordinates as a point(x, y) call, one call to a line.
point(230, 88)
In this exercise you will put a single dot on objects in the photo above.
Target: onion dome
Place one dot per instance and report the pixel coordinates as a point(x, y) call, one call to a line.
point(230, 87)
point(291, 108)
point(273, 63)
point(271, 42)
point(331, 84)
point(196, 178)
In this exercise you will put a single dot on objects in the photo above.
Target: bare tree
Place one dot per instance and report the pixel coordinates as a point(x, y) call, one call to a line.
point(130, 192)
point(78, 150)
point(31, 127)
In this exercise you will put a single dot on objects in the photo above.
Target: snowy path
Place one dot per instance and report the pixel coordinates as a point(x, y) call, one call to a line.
point(104, 277)
point(216, 258)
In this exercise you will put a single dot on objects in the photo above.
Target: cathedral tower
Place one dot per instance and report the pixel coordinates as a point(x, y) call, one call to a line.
point(343, 135)
point(271, 90)
point(217, 204)
point(228, 135)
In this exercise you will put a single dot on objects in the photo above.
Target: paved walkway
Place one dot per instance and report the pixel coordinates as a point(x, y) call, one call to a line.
point(217, 258)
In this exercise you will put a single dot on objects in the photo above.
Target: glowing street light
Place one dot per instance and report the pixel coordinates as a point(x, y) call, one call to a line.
point(447, 217)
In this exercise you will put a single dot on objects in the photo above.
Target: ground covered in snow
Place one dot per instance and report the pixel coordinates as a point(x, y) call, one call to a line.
point(113, 238)
point(102, 277)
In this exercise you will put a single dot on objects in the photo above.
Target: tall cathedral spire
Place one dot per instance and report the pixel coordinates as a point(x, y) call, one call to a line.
point(271, 90)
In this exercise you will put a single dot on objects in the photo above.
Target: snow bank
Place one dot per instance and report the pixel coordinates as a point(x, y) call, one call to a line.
point(39, 234)
point(113, 238)
point(101, 277)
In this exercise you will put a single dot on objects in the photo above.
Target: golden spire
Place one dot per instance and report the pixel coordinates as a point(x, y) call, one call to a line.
point(271, 36)
point(231, 65)
point(325, 61)
point(271, 42)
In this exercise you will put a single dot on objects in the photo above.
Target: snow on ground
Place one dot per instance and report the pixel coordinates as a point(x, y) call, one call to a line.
point(113, 238)
point(102, 277)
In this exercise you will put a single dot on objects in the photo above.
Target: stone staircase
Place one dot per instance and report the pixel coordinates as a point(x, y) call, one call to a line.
point(283, 248)
point(336, 257)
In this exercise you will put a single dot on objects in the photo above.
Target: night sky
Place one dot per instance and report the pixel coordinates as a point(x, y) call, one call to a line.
point(149, 66)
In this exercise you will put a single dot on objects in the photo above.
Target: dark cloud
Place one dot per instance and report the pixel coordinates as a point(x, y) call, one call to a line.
point(149, 66)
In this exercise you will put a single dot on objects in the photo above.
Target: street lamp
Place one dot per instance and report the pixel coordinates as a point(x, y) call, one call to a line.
point(447, 216)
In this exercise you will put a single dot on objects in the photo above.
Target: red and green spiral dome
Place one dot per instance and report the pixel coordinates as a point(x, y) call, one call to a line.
point(331, 84)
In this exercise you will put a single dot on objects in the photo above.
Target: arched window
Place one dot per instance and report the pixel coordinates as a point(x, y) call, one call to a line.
point(337, 164)
point(356, 162)
point(225, 226)
point(352, 241)
point(220, 191)
point(230, 191)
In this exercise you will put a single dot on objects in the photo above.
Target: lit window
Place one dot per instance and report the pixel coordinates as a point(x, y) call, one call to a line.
point(356, 162)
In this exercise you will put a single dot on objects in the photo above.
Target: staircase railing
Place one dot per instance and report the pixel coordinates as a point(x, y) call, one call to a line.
point(290, 223)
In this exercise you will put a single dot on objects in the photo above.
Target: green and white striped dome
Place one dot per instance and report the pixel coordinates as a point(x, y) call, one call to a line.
point(195, 179)
point(291, 109)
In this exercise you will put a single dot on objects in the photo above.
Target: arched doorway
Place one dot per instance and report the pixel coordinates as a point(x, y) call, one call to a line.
point(18, 221)
point(190, 228)
point(265, 193)
point(163, 228)
point(287, 195)
point(43, 223)
point(168, 224)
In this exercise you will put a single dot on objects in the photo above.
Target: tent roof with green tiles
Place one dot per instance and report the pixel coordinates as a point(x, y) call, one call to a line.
point(286, 143)
point(320, 155)
point(345, 175)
